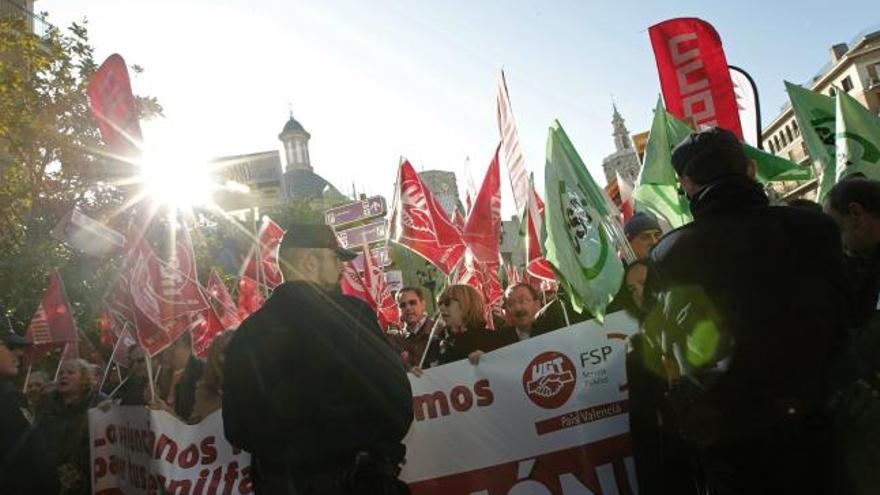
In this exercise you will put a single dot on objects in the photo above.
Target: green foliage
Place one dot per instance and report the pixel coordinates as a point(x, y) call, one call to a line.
point(50, 149)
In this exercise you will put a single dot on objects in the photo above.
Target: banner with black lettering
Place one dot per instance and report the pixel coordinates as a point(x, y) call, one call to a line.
point(546, 415)
point(140, 451)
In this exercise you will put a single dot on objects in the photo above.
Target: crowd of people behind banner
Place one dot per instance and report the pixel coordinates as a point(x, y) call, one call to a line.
point(757, 369)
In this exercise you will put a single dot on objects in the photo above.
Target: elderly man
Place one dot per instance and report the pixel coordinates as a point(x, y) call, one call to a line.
point(412, 341)
point(750, 306)
point(311, 387)
point(24, 466)
point(521, 303)
point(643, 232)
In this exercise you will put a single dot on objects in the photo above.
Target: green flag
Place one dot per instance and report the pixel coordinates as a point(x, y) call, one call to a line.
point(578, 220)
point(657, 188)
point(772, 168)
point(857, 139)
point(815, 116)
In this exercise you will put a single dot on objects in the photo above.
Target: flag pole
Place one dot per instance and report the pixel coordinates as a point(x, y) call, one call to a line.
point(150, 378)
point(27, 377)
point(430, 338)
point(112, 355)
point(61, 361)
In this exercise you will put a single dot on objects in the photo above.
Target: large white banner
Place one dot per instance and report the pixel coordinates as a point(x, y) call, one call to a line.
point(547, 415)
point(544, 416)
point(136, 451)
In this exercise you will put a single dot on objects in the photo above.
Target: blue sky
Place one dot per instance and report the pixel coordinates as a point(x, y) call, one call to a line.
point(372, 81)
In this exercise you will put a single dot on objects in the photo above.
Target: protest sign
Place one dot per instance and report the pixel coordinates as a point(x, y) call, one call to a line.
point(547, 415)
point(140, 451)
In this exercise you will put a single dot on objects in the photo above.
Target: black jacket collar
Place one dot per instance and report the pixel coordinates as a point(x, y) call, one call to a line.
point(728, 194)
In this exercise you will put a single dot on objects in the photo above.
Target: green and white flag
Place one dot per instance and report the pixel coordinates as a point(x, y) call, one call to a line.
point(657, 189)
point(772, 168)
point(815, 116)
point(857, 139)
point(578, 222)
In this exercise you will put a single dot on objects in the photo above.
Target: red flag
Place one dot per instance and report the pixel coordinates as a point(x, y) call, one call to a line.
point(53, 322)
point(249, 297)
point(353, 285)
point(482, 230)
point(114, 106)
point(269, 236)
point(626, 197)
point(206, 327)
point(457, 219)
point(419, 223)
point(536, 264)
point(514, 276)
point(694, 74)
point(516, 165)
point(374, 282)
point(222, 302)
point(120, 348)
point(485, 279)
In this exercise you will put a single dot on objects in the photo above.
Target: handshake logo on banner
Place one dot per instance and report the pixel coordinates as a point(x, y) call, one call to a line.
point(549, 379)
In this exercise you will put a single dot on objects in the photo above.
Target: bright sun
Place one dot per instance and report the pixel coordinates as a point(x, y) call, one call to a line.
point(174, 180)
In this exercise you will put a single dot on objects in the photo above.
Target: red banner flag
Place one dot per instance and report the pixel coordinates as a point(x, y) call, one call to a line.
point(482, 230)
point(53, 322)
point(114, 106)
point(250, 298)
point(693, 73)
point(222, 302)
point(269, 237)
point(352, 284)
point(374, 282)
point(206, 327)
point(626, 197)
point(457, 219)
point(419, 223)
point(536, 264)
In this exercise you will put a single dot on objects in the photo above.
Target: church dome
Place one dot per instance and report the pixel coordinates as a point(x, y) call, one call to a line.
point(302, 184)
point(292, 126)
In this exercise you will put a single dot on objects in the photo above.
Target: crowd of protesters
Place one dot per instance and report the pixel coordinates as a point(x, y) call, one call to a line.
point(756, 368)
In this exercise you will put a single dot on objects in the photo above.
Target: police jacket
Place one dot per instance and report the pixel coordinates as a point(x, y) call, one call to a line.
point(310, 380)
point(25, 467)
point(755, 297)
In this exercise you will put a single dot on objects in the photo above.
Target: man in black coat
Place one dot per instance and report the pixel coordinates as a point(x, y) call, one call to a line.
point(750, 304)
point(25, 467)
point(311, 387)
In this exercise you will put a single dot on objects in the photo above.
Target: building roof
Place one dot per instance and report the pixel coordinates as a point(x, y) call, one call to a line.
point(292, 125)
point(304, 184)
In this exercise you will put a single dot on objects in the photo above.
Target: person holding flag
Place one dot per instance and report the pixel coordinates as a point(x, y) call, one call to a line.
point(311, 386)
point(749, 301)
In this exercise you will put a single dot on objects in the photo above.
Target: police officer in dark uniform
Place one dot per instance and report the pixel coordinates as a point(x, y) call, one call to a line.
point(311, 387)
point(24, 466)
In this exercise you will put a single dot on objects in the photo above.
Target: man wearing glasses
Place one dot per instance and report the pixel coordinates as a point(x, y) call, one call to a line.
point(413, 340)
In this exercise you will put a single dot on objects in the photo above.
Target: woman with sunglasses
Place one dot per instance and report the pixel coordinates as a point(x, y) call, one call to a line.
point(464, 335)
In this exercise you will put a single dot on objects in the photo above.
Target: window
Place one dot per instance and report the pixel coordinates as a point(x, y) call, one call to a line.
point(782, 138)
point(788, 133)
point(776, 140)
point(794, 127)
point(847, 84)
point(772, 148)
point(832, 91)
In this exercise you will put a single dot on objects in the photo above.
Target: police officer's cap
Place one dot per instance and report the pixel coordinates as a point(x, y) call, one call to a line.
point(307, 235)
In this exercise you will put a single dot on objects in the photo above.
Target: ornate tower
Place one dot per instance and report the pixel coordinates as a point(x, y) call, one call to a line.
point(624, 160)
point(296, 146)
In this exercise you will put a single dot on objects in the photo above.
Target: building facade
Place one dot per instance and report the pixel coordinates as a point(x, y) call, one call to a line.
point(854, 68)
point(272, 178)
point(443, 186)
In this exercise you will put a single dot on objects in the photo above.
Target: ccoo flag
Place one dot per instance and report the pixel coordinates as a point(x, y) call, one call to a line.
point(857, 139)
point(815, 117)
point(579, 241)
point(657, 188)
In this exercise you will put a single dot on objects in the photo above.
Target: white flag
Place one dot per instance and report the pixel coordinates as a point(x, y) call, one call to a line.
point(516, 165)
